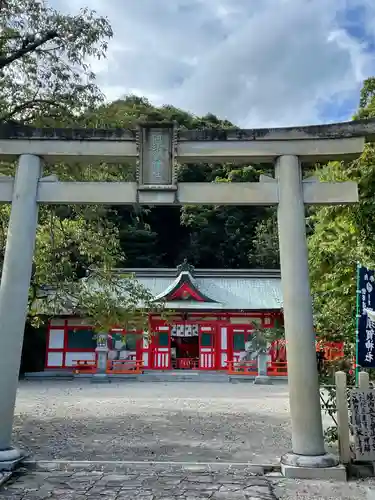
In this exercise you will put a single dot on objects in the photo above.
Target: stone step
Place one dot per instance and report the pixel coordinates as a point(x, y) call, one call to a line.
point(125, 466)
point(179, 376)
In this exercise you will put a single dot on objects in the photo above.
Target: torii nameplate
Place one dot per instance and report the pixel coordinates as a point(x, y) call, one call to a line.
point(156, 162)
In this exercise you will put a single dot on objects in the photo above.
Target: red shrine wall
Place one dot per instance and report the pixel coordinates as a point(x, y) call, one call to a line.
point(201, 340)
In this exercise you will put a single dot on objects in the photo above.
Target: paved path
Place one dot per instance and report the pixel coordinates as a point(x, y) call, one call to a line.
point(174, 483)
point(143, 484)
point(194, 422)
point(179, 422)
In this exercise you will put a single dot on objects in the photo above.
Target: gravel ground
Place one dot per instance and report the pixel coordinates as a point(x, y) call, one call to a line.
point(204, 422)
point(291, 489)
point(167, 422)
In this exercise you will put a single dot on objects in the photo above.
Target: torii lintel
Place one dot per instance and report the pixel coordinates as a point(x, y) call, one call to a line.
point(157, 149)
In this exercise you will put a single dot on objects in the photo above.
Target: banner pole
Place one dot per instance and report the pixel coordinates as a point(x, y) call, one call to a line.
point(358, 293)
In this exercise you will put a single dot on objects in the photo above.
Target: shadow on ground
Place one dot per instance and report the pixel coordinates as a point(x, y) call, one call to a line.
point(166, 424)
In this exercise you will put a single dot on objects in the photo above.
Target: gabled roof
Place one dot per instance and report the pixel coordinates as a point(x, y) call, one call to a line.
point(225, 289)
point(184, 288)
point(209, 289)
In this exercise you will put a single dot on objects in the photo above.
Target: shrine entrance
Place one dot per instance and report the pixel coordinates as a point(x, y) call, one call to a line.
point(184, 346)
point(185, 352)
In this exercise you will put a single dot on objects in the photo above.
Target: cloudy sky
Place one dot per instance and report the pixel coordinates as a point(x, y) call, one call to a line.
point(255, 62)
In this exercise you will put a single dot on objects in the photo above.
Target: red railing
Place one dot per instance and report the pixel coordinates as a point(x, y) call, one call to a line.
point(124, 366)
point(332, 350)
point(274, 369)
point(84, 366)
point(277, 369)
point(242, 367)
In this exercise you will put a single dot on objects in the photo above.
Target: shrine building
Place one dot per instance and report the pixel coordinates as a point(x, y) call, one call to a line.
point(214, 315)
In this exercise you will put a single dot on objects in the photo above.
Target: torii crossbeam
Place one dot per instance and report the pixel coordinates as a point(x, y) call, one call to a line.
point(156, 150)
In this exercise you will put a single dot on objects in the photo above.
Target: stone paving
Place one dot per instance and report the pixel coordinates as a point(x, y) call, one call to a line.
point(144, 484)
point(198, 422)
point(171, 482)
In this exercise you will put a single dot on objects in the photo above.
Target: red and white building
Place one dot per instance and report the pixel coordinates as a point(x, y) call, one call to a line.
point(214, 314)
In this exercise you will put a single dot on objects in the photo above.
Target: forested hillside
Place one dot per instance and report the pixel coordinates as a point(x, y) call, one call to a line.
point(164, 236)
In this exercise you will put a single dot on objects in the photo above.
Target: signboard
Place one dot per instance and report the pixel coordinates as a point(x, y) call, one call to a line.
point(184, 330)
point(156, 155)
point(366, 325)
point(363, 423)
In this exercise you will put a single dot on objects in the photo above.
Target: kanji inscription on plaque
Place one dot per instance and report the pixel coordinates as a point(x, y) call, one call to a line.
point(363, 424)
point(156, 156)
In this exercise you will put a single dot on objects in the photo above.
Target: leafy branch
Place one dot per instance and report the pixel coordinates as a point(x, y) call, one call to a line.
point(262, 338)
point(28, 44)
point(35, 103)
point(78, 285)
point(43, 62)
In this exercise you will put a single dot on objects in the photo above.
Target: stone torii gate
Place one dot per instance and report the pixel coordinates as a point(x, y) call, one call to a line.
point(156, 149)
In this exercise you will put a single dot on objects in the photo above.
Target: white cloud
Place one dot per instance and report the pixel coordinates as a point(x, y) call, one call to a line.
point(254, 62)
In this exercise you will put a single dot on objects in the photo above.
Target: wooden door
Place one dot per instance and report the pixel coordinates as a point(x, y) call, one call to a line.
point(207, 345)
point(161, 348)
point(223, 350)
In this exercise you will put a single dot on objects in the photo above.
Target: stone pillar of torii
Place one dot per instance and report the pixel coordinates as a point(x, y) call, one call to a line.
point(156, 150)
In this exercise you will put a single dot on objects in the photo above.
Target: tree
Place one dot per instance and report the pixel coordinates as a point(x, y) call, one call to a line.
point(263, 338)
point(44, 74)
point(109, 299)
point(222, 236)
point(341, 237)
point(367, 100)
point(45, 80)
point(265, 248)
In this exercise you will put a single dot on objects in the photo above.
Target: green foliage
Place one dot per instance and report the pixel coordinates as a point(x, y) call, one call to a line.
point(43, 54)
point(131, 110)
point(46, 81)
point(222, 236)
point(115, 300)
point(262, 338)
point(341, 237)
point(333, 256)
point(265, 245)
point(328, 393)
point(367, 100)
point(66, 248)
point(164, 236)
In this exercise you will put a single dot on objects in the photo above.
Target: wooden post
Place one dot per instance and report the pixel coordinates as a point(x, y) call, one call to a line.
point(363, 381)
point(342, 417)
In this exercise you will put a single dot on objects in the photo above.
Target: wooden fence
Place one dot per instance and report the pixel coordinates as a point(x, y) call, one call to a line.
point(124, 367)
point(250, 368)
point(342, 409)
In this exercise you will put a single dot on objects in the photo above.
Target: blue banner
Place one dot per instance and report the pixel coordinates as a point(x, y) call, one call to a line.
point(366, 318)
